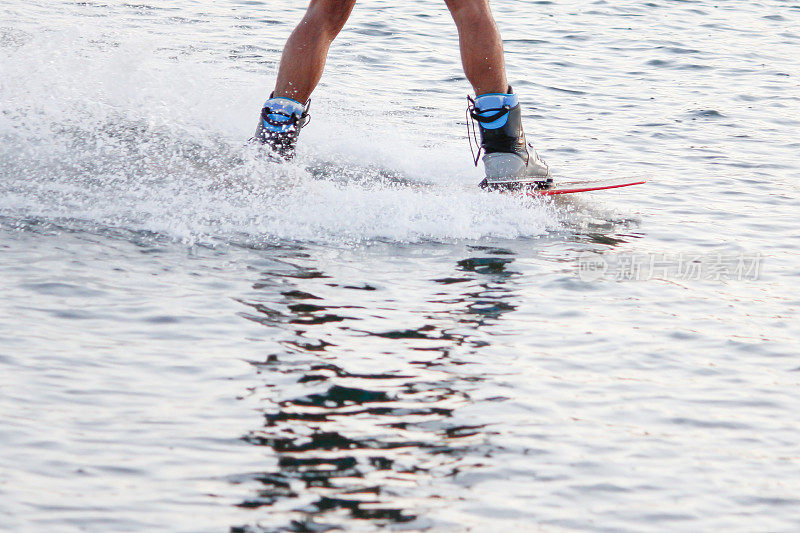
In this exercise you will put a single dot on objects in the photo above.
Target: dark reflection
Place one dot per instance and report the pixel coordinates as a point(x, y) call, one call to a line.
point(300, 295)
point(351, 445)
point(608, 233)
point(491, 250)
point(492, 265)
point(597, 238)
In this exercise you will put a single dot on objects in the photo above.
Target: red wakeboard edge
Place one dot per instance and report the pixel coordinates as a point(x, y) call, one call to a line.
point(569, 187)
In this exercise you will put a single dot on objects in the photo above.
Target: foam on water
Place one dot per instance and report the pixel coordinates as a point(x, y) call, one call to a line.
point(117, 132)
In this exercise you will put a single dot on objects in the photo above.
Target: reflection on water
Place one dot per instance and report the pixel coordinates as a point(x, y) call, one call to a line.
point(365, 445)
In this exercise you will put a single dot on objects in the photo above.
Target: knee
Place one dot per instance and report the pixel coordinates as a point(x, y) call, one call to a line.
point(330, 15)
point(471, 12)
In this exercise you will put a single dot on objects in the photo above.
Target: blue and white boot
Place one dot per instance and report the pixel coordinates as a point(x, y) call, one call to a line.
point(280, 124)
point(508, 160)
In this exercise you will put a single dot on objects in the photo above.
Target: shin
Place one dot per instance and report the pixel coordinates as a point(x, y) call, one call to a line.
point(304, 56)
point(481, 45)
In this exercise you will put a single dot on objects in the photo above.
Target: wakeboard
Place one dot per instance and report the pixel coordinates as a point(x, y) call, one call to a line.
point(550, 188)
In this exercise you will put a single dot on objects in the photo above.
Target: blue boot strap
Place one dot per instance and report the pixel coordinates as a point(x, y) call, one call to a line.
point(491, 110)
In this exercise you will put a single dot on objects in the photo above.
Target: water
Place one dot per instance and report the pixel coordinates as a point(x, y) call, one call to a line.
point(192, 339)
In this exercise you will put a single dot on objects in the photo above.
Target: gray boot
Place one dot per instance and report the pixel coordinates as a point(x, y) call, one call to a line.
point(279, 126)
point(508, 160)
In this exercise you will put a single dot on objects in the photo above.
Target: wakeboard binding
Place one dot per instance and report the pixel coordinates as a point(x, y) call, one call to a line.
point(280, 124)
point(509, 161)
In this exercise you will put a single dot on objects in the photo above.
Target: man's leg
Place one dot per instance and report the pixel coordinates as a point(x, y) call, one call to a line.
point(507, 159)
point(307, 48)
point(481, 45)
point(301, 68)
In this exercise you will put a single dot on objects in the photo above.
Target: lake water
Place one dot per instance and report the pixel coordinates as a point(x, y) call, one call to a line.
point(193, 339)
